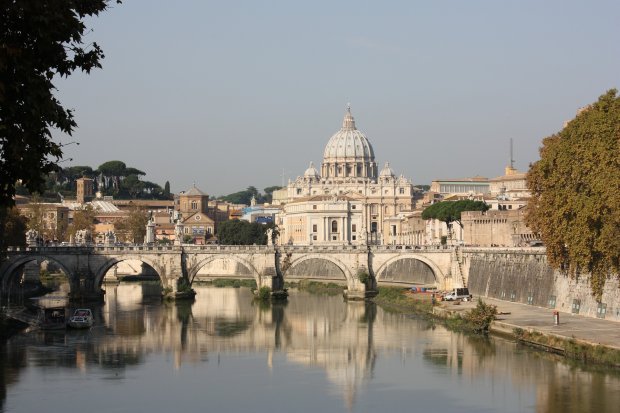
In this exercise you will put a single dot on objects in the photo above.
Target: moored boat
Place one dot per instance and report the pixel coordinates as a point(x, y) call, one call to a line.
point(81, 318)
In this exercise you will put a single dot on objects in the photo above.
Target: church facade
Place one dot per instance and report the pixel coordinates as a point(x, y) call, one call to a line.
point(350, 201)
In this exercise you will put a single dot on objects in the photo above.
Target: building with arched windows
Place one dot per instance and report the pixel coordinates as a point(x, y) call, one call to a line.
point(350, 200)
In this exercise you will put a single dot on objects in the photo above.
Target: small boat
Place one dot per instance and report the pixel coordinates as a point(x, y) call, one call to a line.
point(81, 318)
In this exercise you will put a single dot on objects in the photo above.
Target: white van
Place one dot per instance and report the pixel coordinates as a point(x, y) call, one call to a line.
point(458, 294)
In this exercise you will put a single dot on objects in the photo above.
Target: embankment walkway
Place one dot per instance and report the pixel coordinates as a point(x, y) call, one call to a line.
point(516, 315)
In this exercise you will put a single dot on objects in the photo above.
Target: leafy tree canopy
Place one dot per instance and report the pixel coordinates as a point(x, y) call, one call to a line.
point(450, 211)
point(40, 40)
point(245, 197)
point(113, 168)
point(133, 227)
point(575, 205)
point(237, 232)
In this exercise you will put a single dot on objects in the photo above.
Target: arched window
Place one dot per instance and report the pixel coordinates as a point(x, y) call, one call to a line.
point(334, 226)
point(194, 205)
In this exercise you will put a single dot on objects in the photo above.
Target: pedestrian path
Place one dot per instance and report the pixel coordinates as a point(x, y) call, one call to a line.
point(528, 317)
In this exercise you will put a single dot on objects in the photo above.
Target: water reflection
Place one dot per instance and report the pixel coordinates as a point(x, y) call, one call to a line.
point(365, 357)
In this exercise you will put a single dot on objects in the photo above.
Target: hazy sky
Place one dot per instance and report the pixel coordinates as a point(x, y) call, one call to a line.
point(229, 94)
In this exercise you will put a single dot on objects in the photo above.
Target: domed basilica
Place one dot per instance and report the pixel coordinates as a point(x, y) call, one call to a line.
point(349, 202)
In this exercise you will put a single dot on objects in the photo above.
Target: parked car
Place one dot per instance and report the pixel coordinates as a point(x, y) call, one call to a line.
point(458, 294)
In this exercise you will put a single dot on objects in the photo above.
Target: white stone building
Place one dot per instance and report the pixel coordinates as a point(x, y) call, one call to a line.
point(350, 200)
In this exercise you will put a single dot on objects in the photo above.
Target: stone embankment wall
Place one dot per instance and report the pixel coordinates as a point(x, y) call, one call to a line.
point(524, 276)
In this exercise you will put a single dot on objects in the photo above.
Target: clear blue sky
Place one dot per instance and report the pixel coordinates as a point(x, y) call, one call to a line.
point(229, 94)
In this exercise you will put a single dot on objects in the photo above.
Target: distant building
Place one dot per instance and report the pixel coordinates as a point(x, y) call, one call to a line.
point(505, 228)
point(85, 190)
point(511, 185)
point(324, 219)
point(194, 212)
point(53, 219)
point(463, 186)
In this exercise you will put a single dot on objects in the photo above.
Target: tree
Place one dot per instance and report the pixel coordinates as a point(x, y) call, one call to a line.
point(450, 211)
point(13, 226)
point(269, 192)
point(167, 190)
point(113, 168)
point(39, 40)
point(133, 228)
point(236, 232)
point(82, 219)
point(575, 205)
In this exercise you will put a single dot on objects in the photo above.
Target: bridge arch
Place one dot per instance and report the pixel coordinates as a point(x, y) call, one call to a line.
point(101, 271)
point(380, 273)
point(348, 276)
point(195, 268)
point(8, 270)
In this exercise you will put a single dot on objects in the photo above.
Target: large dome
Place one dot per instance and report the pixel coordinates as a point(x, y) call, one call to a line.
point(349, 142)
point(348, 152)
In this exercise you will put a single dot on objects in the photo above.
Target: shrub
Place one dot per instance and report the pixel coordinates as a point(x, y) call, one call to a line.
point(264, 294)
point(481, 317)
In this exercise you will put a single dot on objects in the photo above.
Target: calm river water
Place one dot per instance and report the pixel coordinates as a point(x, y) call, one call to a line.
point(223, 353)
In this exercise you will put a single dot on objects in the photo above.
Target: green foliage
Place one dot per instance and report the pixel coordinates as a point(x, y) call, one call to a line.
point(237, 232)
point(264, 294)
point(13, 226)
point(113, 168)
point(363, 277)
point(450, 211)
point(167, 190)
point(41, 41)
point(82, 219)
point(133, 227)
point(320, 288)
point(575, 205)
point(397, 299)
point(481, 317)
point(245, 197)
point(235, 283)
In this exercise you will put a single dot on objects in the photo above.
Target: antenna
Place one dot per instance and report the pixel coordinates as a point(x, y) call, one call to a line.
point(284, 174)
point(512, 161)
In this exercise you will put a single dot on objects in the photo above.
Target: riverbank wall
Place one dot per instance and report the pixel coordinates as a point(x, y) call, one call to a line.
point(524, 276)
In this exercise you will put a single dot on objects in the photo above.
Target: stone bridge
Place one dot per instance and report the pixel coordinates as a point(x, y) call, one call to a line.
point(360, 267)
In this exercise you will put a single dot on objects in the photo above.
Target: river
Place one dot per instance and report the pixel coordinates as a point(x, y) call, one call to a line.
point(224, 353)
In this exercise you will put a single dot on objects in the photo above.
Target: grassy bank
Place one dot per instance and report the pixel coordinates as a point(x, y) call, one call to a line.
point(397, 299)
point(317, 287)
point(569, 348)
point(229, 282)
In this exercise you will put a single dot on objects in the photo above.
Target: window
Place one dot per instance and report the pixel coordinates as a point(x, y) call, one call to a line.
point(334, 226)
point(334, 238)
point(353, 206)
point(401, 191)
point(314, 237)
point(353, 238)
point(298, 191)
point(353, 228)
point(194, 205)
point(313, 206)
point(314, 228)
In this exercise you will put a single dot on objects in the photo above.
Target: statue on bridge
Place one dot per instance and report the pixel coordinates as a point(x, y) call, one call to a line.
point(149, 238)
point(109, 238)
point(83, 237)
point(178, 232)
point(33, 239)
